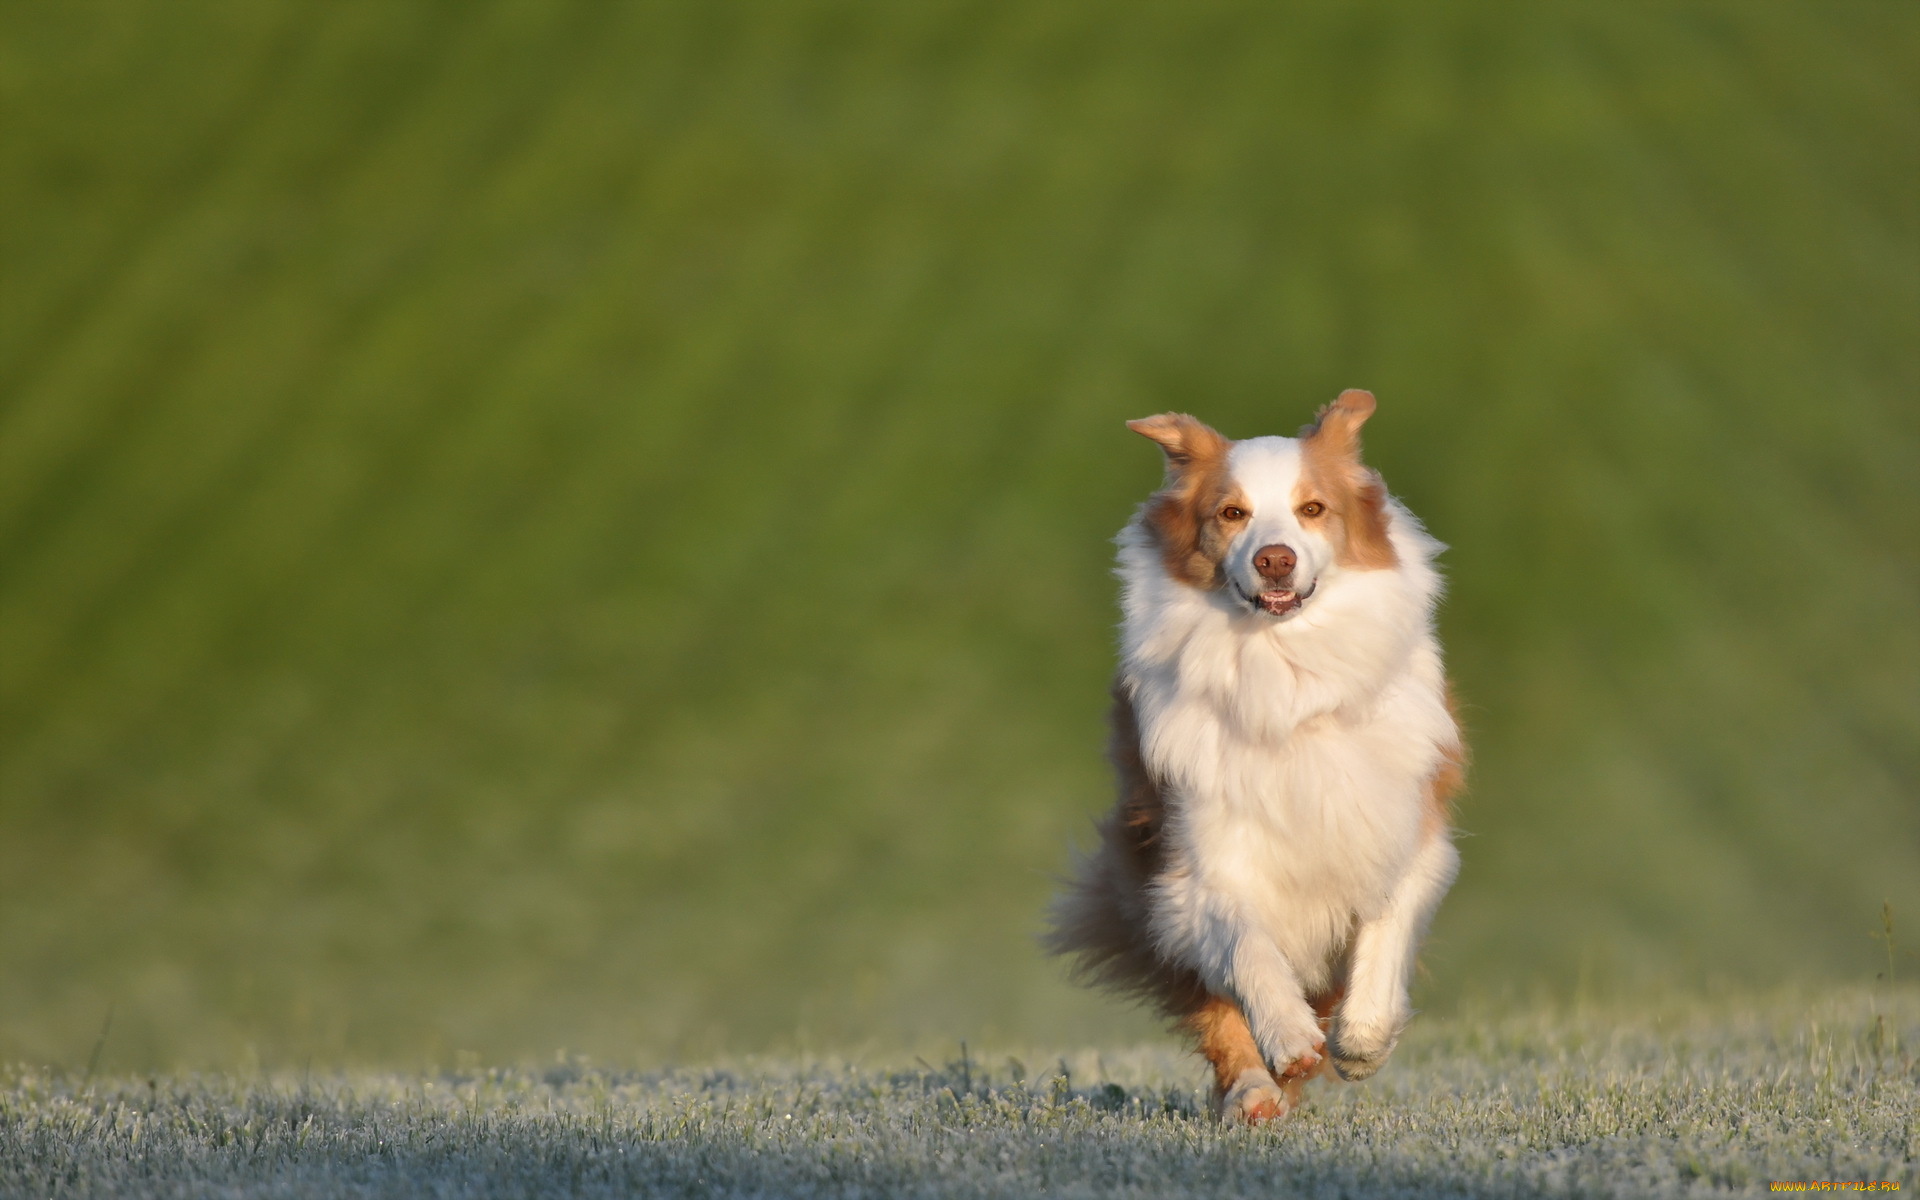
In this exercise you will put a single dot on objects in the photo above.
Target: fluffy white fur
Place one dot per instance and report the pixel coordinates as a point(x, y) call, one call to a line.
point(1295, 751)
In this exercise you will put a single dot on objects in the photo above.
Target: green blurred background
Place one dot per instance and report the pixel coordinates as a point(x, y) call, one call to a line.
point(536, 525)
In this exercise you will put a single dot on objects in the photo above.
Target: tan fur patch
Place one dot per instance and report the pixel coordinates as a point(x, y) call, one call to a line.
point(1331, 472)
point(1450, 779)
point(1184, 515)
point(1224, 1038)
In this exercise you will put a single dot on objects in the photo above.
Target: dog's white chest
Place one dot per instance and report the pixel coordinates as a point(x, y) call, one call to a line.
point(1284, 814)
point(1324, 819)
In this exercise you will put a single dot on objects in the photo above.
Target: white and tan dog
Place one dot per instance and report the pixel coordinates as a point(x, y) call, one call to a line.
point(1287, 754)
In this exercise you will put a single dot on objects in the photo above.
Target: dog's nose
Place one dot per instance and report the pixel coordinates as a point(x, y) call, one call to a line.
point(1274, 563)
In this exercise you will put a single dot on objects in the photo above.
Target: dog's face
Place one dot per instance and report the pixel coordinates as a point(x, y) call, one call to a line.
point(1264, 520)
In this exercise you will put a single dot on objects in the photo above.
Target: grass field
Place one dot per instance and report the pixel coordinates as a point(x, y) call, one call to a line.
point(542, 523)
point(1653, 1101)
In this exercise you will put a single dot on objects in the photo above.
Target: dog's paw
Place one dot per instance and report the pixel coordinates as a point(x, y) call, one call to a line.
point(1296, 1047)
point(1359, 1051)
point(1304, 1065)
point(1254, 1099)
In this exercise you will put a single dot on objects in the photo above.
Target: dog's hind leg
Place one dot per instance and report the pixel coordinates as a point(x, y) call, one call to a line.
point(1243, 1089)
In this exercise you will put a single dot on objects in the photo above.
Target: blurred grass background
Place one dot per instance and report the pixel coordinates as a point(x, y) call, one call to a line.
point(543, 524)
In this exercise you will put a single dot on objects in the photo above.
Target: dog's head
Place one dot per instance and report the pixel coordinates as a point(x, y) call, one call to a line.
point(1264, 520)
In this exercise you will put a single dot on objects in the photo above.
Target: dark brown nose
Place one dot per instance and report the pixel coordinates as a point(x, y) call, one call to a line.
point(1274, 563)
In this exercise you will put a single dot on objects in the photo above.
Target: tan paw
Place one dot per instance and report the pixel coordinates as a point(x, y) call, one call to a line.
point(1253, 1099)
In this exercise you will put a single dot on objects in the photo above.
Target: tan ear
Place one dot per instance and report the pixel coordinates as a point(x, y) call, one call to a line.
point(1336, 431)
point(1185, 439)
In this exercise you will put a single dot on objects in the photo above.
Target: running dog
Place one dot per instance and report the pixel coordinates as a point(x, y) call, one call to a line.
point(1287, 753)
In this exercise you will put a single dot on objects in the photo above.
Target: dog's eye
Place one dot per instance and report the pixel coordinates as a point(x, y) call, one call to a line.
point(1312, 508)
point(1230, 513)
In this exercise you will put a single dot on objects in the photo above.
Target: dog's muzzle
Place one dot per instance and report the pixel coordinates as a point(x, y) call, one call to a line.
point(1278, 602)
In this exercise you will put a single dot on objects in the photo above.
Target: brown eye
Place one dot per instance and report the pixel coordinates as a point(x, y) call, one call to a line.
point(1312, 508)
point(1230, 513)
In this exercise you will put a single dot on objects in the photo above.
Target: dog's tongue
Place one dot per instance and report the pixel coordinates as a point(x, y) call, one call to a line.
point(1283, 601)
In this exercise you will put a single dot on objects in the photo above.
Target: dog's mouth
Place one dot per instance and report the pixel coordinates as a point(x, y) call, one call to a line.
point(1280, 601)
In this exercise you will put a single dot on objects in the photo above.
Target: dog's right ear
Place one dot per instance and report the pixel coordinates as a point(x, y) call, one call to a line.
point(1335, 433)
point(1185, 439)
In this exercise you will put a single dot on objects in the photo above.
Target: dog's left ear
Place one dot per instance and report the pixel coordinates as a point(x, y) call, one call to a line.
point(1336, 431)
point(1186, 440)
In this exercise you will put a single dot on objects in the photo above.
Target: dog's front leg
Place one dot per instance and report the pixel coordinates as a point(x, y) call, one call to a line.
point(1377, 1007)
point(1283, 1022)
